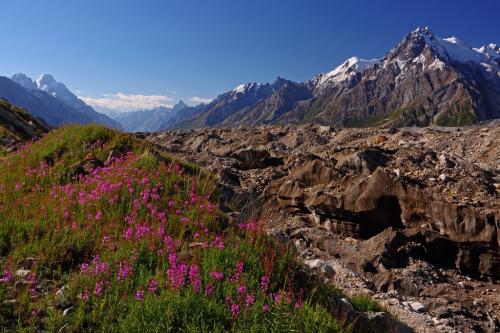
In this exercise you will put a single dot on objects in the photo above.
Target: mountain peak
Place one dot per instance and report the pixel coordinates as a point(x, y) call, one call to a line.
point(347, 69)
point(45, 79)
point(24, 80)
point(425, 30)
point(179, 105)
point(46, 82)
point(242, 88)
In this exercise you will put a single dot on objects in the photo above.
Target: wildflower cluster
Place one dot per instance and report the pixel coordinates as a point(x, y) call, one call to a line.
point(132, 238)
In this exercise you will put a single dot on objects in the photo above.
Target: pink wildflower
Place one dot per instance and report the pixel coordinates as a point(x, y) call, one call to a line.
point(85, 295)
point(194, 277)
point(217, 276)
point(139, 295)
point(242, 289)
point(250, 299)
point(7, 276)
point(153, 286)
point(264, 283)
point(98, 289)
point(124, 271)
point(209, 290)
point(127, 234)
point(84, 267)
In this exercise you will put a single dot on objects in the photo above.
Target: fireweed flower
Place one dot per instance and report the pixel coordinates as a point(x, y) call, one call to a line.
point(7, 276)
point(237, 273)
point(235, 310)
point(249, 300)
point(84, 267)
point(124, 271)
point(266, 308)
point(264, 283)
point(242, 289)
point(153, 286)
point(277, 298)
point(85, 295)
point(98, 289)
point(194, 277)
point(209, 290)
point(218, 243)
point(139, 295)
point(233, 307)
point(127, 234)
point(218, 276)
point(31, 278)
point(105, 241)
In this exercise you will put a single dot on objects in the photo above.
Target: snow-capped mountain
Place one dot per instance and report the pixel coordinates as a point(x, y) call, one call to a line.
point(423, 80)
point(57, 90)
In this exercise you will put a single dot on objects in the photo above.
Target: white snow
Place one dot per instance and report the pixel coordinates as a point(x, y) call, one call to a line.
point(240, 88)
point(491, 50)
point(454, 49)
point(45, 82)
point(459, 51)
point(437, 64)
point(350, 67)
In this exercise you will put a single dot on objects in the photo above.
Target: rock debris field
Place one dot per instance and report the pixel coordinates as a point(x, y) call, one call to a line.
point(410, 216)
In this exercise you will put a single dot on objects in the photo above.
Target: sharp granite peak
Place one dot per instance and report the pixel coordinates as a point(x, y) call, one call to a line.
point(424, 80)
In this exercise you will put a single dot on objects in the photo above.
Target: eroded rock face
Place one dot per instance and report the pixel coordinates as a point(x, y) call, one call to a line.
point(361, 182)
point(402, 196)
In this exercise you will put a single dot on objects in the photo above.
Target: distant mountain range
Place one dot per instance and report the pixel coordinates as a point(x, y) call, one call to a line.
point(421, 81)
point(50, 101)
point(151, 120)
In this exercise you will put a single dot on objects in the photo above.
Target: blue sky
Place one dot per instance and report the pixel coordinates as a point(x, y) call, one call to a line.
point(185, 49)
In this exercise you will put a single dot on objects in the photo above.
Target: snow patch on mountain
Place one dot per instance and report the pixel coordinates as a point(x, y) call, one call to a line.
point(343, 72)
point(243, 88)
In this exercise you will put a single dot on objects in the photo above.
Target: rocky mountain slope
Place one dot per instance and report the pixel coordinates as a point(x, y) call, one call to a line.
point(424, 80)
point(410, 215)
point(17, 126)
point(51, 101)
point(235, 105)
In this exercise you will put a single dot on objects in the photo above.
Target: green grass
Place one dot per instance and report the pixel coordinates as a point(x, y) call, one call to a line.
point(457, 115)
point(365, 303)
point(105, 217)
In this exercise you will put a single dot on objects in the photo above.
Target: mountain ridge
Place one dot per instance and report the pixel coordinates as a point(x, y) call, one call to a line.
point(423, 80)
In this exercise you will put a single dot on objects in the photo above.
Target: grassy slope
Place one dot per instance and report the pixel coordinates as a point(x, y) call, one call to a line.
point(131, 243)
